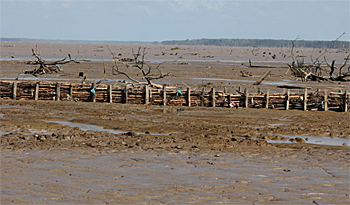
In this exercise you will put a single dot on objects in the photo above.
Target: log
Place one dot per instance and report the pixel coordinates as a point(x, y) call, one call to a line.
point(262, 77)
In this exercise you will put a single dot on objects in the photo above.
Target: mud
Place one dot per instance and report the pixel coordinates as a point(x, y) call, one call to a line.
point(99, 153)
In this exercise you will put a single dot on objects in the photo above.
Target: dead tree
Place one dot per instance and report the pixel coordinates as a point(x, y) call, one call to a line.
point(318, 70)
point(47, 67)
point(148, 72)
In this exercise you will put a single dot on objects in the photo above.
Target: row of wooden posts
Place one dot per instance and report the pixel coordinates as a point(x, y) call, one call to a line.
point(164, 96)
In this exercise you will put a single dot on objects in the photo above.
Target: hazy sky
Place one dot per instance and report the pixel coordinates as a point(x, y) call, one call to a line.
point(158, 20)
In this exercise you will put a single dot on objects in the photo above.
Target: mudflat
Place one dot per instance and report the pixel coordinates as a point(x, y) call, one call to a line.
point(66, 152)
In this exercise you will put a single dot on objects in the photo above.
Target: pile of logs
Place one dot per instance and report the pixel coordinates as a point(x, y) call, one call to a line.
point(300, 99)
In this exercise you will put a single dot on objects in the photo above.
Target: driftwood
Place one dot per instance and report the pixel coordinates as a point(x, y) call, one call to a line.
point(319, 70)
point(262, 78)
point(47, 67)
point(148, 72)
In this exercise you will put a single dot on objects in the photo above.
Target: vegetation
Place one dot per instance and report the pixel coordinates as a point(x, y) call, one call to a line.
point(260, 43)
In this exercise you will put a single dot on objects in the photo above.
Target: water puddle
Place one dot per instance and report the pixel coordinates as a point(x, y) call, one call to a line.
point(13, 106)
point(315, 140)
point(283, 82)
point(86, 127)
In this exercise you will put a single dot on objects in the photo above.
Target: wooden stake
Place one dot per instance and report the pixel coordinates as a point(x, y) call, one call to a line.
point(267, 99)
point(58, 92)
point(71, 91)
point(325, 100)
point(189, 97)
point(126, 94)
point(287, 99)
point(93, 93)
point(246, 105)
point(305, 99)
point(346, 101)
point(229, 97)
point(36, 92)
point(164, 95)
point(146, 94)
point(202, 97)
point(14, 90)
point(110, 97)
point(213, 97)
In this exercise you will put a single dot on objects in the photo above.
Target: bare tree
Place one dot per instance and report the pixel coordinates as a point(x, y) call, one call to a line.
point(47, 67)
point(148, 72)
point(318, 70)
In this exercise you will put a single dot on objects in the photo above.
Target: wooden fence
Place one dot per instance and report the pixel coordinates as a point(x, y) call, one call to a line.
point(300, 99)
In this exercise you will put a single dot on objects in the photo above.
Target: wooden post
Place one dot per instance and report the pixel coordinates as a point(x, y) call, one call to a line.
point(346, 101)
point(110, 97)
point(267, 99)
point(287, 99)
point(202, 98)
point(305, 99)
point(225, 90)
point(213, 97)
point(325, 100)
point(246, 98)
point(71, 91)
point(36, 92)
point(58, 92)
point(189, 97)
point(164, 95)
point(14, 90)
point(229, 97)
point(93, 93)
point(126, 94)
point(146, 95)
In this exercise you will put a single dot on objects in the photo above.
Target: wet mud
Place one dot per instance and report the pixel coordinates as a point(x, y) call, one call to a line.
point(62, 152)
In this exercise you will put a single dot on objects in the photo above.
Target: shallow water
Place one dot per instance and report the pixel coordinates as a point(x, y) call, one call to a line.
point(86, 127)
point(283, 82)
point(315, 140)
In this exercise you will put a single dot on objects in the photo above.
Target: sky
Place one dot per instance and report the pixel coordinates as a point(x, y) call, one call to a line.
point(159, 20)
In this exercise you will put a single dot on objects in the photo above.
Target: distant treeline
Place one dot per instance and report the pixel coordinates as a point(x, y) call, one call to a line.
point(72, 41)
point(260, 43)
point(207, 42)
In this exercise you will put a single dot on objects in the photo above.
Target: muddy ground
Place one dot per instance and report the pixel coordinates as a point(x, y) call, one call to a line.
point(98, 153)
